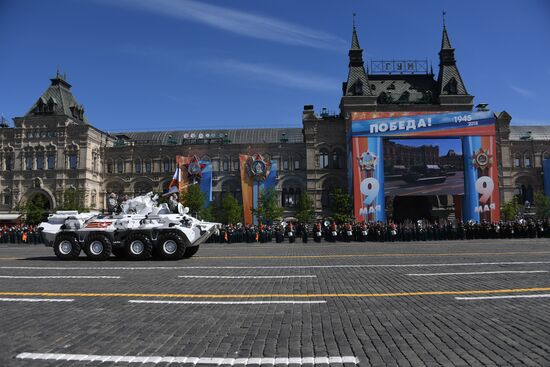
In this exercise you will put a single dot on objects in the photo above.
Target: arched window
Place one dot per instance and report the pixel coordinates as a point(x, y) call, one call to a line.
point(110, 166)
point(142, 188)
point(452, 86)
point(527, 161)
point(115, 187)
point(148, 166)
point(337, 159)
point(225, 164)
point(323, 158)
point(290, 195)
point(165, 165)
point(517, 161)
point(137, 166)
point(120, 166)
point(93, 199)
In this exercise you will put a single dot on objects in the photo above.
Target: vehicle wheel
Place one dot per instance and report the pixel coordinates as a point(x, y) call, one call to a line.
point(138, 246)
point(171, 246)
point(119, 252)
point(66, 247)
point(190, 251)
point(98, 247)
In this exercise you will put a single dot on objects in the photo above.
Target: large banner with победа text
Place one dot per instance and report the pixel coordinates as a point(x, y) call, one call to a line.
point(476, 131)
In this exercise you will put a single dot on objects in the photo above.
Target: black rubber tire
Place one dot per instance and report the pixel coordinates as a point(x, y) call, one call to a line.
point(190, 251)
point(105, 241)
point(75, 251)
point(178, 239)
point(147, 246)
point(119, 252)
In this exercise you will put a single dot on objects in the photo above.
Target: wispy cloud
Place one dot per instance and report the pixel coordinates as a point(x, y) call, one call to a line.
point(522, 91)
point(238, 22)
point(274, 75)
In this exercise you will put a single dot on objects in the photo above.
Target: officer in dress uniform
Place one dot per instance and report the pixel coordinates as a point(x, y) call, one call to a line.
point(304, 233)
point(290, 232)
point(317, 232)
point(333, 232)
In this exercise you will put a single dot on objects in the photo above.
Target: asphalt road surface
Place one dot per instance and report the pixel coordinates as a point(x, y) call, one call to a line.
point(453, 185)
point(468, 303)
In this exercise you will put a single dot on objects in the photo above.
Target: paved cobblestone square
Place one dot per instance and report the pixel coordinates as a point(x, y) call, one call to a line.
point(464, 303)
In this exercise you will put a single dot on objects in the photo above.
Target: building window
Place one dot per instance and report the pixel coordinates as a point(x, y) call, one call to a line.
point(517, 161)
point(528, 162)
point(109, 167)
point(336, 159)
point(290, 196)
point(235, 166)
point(285, 165)
point(7, 198)
point(9, 163)
point(166, 165)
point(323, 159)
point(51, 161)
point(225, 165)
point(94, 163)
point(73, 161)
point(148, 167)
point(137, 166)
point(120, 167)
point(40, 162)
point(296, 164)
point(28, 162)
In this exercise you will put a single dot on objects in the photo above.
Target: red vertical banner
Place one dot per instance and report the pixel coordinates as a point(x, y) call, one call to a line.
point(246, 189)
point(488, 144)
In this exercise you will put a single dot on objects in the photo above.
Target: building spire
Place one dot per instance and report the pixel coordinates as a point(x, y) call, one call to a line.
point(449, 80)
point(357, 83)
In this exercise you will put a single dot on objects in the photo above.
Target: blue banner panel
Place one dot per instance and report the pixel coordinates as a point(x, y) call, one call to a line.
point(463, 123)
point(206, 181)
point(546, 170)
point(470, 144)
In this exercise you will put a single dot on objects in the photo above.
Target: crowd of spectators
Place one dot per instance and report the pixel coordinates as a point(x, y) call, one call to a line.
point(20, 234)
point(346, 232)
point(381, 232)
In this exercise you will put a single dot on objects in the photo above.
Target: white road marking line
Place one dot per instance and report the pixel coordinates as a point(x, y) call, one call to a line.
point(274, 267)
point(36, 300)
point(225, 302)
point(247, 276)
point(190, 360)
point(483, 272)
point(59, 277)
point(503, 297)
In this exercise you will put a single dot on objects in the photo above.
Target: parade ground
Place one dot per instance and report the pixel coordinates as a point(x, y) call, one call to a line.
point(452, 303)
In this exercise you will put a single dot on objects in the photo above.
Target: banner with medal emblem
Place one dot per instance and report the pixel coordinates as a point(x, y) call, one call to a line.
point(476, 129)
point(257, 175)
point(196, 172)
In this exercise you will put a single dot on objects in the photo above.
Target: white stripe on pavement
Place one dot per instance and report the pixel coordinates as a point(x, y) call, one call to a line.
point(189, 360)
point(273, 267)
point(225, 302)
point(503, 297)
point(247, 276)
point(483, 272)
point(36, 300)
point(59, 277)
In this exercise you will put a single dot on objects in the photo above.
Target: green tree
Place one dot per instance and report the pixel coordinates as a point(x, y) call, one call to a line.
point(305, 211)
point(340, 205)
point(34, 209)
point(542, 205)
point(208, 213)
point(510, 209)
point(231, 212)
point(269, 209)
point(193, 198)
point(72, 199)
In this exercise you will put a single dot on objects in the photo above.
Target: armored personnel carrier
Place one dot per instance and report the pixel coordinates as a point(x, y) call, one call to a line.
point(142, 229)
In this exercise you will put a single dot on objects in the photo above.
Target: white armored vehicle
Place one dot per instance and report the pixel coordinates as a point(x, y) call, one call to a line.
point(142, 229)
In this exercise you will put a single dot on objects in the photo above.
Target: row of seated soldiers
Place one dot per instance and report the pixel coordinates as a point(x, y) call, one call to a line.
point(382, 232)
point(19, 234)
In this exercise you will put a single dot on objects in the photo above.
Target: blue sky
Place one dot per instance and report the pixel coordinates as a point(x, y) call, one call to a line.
point(183, 64)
